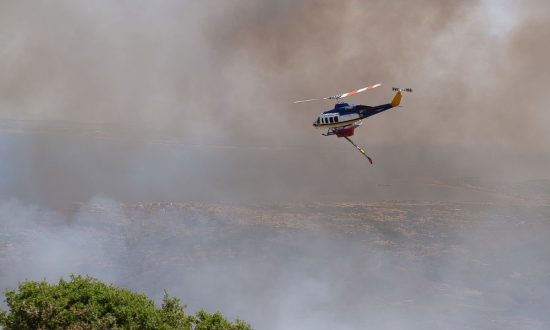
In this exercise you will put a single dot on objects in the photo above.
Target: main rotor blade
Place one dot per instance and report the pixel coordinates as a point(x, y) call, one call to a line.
point(336, 97)
point(310, 100)
point(357, 91)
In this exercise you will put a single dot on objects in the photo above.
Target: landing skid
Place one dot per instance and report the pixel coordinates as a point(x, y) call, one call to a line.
point(360, 149)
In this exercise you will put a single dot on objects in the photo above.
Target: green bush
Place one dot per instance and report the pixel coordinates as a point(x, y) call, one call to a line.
point(86, 303)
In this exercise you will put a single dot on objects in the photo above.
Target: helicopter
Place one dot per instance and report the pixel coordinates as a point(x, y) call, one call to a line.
point(344, 118)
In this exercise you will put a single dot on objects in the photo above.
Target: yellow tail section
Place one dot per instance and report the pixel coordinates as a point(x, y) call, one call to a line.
point(396, 99)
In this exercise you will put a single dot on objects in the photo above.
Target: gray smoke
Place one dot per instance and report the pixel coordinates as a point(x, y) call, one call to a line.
point(109, 97)
point(316, 266)
point(141, 101)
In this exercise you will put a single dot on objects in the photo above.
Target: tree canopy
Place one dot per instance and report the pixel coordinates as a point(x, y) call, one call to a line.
point(84, 303)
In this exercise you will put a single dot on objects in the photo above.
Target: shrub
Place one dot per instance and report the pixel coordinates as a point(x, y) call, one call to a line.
point(84, 303)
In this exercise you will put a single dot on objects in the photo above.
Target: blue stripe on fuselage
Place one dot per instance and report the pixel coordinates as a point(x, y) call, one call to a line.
point(375, 110)
point(364, 113)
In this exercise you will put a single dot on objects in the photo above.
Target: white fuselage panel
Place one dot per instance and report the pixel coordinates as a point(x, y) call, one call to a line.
point(331, 120)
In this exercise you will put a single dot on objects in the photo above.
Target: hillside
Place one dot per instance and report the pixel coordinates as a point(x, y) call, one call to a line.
point(463, 264)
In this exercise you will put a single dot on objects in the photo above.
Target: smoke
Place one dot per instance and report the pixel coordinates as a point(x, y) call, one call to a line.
point(143, 101)
point(228, 71)
point(96, 88)
point(355, 265)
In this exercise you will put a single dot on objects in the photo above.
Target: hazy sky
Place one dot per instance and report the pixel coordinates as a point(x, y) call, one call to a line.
point(228, 70)
point(224, 74)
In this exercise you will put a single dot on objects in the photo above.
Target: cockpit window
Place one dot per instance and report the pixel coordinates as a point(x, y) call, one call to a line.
point(318, 120)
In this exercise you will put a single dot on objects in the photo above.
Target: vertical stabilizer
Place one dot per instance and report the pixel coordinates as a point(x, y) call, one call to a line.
point(396, 99)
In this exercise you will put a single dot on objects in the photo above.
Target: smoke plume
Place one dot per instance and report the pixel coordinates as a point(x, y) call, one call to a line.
point(119, 103)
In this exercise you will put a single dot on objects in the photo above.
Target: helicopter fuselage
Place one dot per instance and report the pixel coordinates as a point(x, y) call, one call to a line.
point(344, 117)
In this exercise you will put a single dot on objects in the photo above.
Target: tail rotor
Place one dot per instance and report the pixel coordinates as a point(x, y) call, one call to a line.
point(397, 89)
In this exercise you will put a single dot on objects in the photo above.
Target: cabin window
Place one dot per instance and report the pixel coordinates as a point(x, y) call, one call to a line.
point(318, 120)
point(331, 120)
point(335, 119)
point(325, 120)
